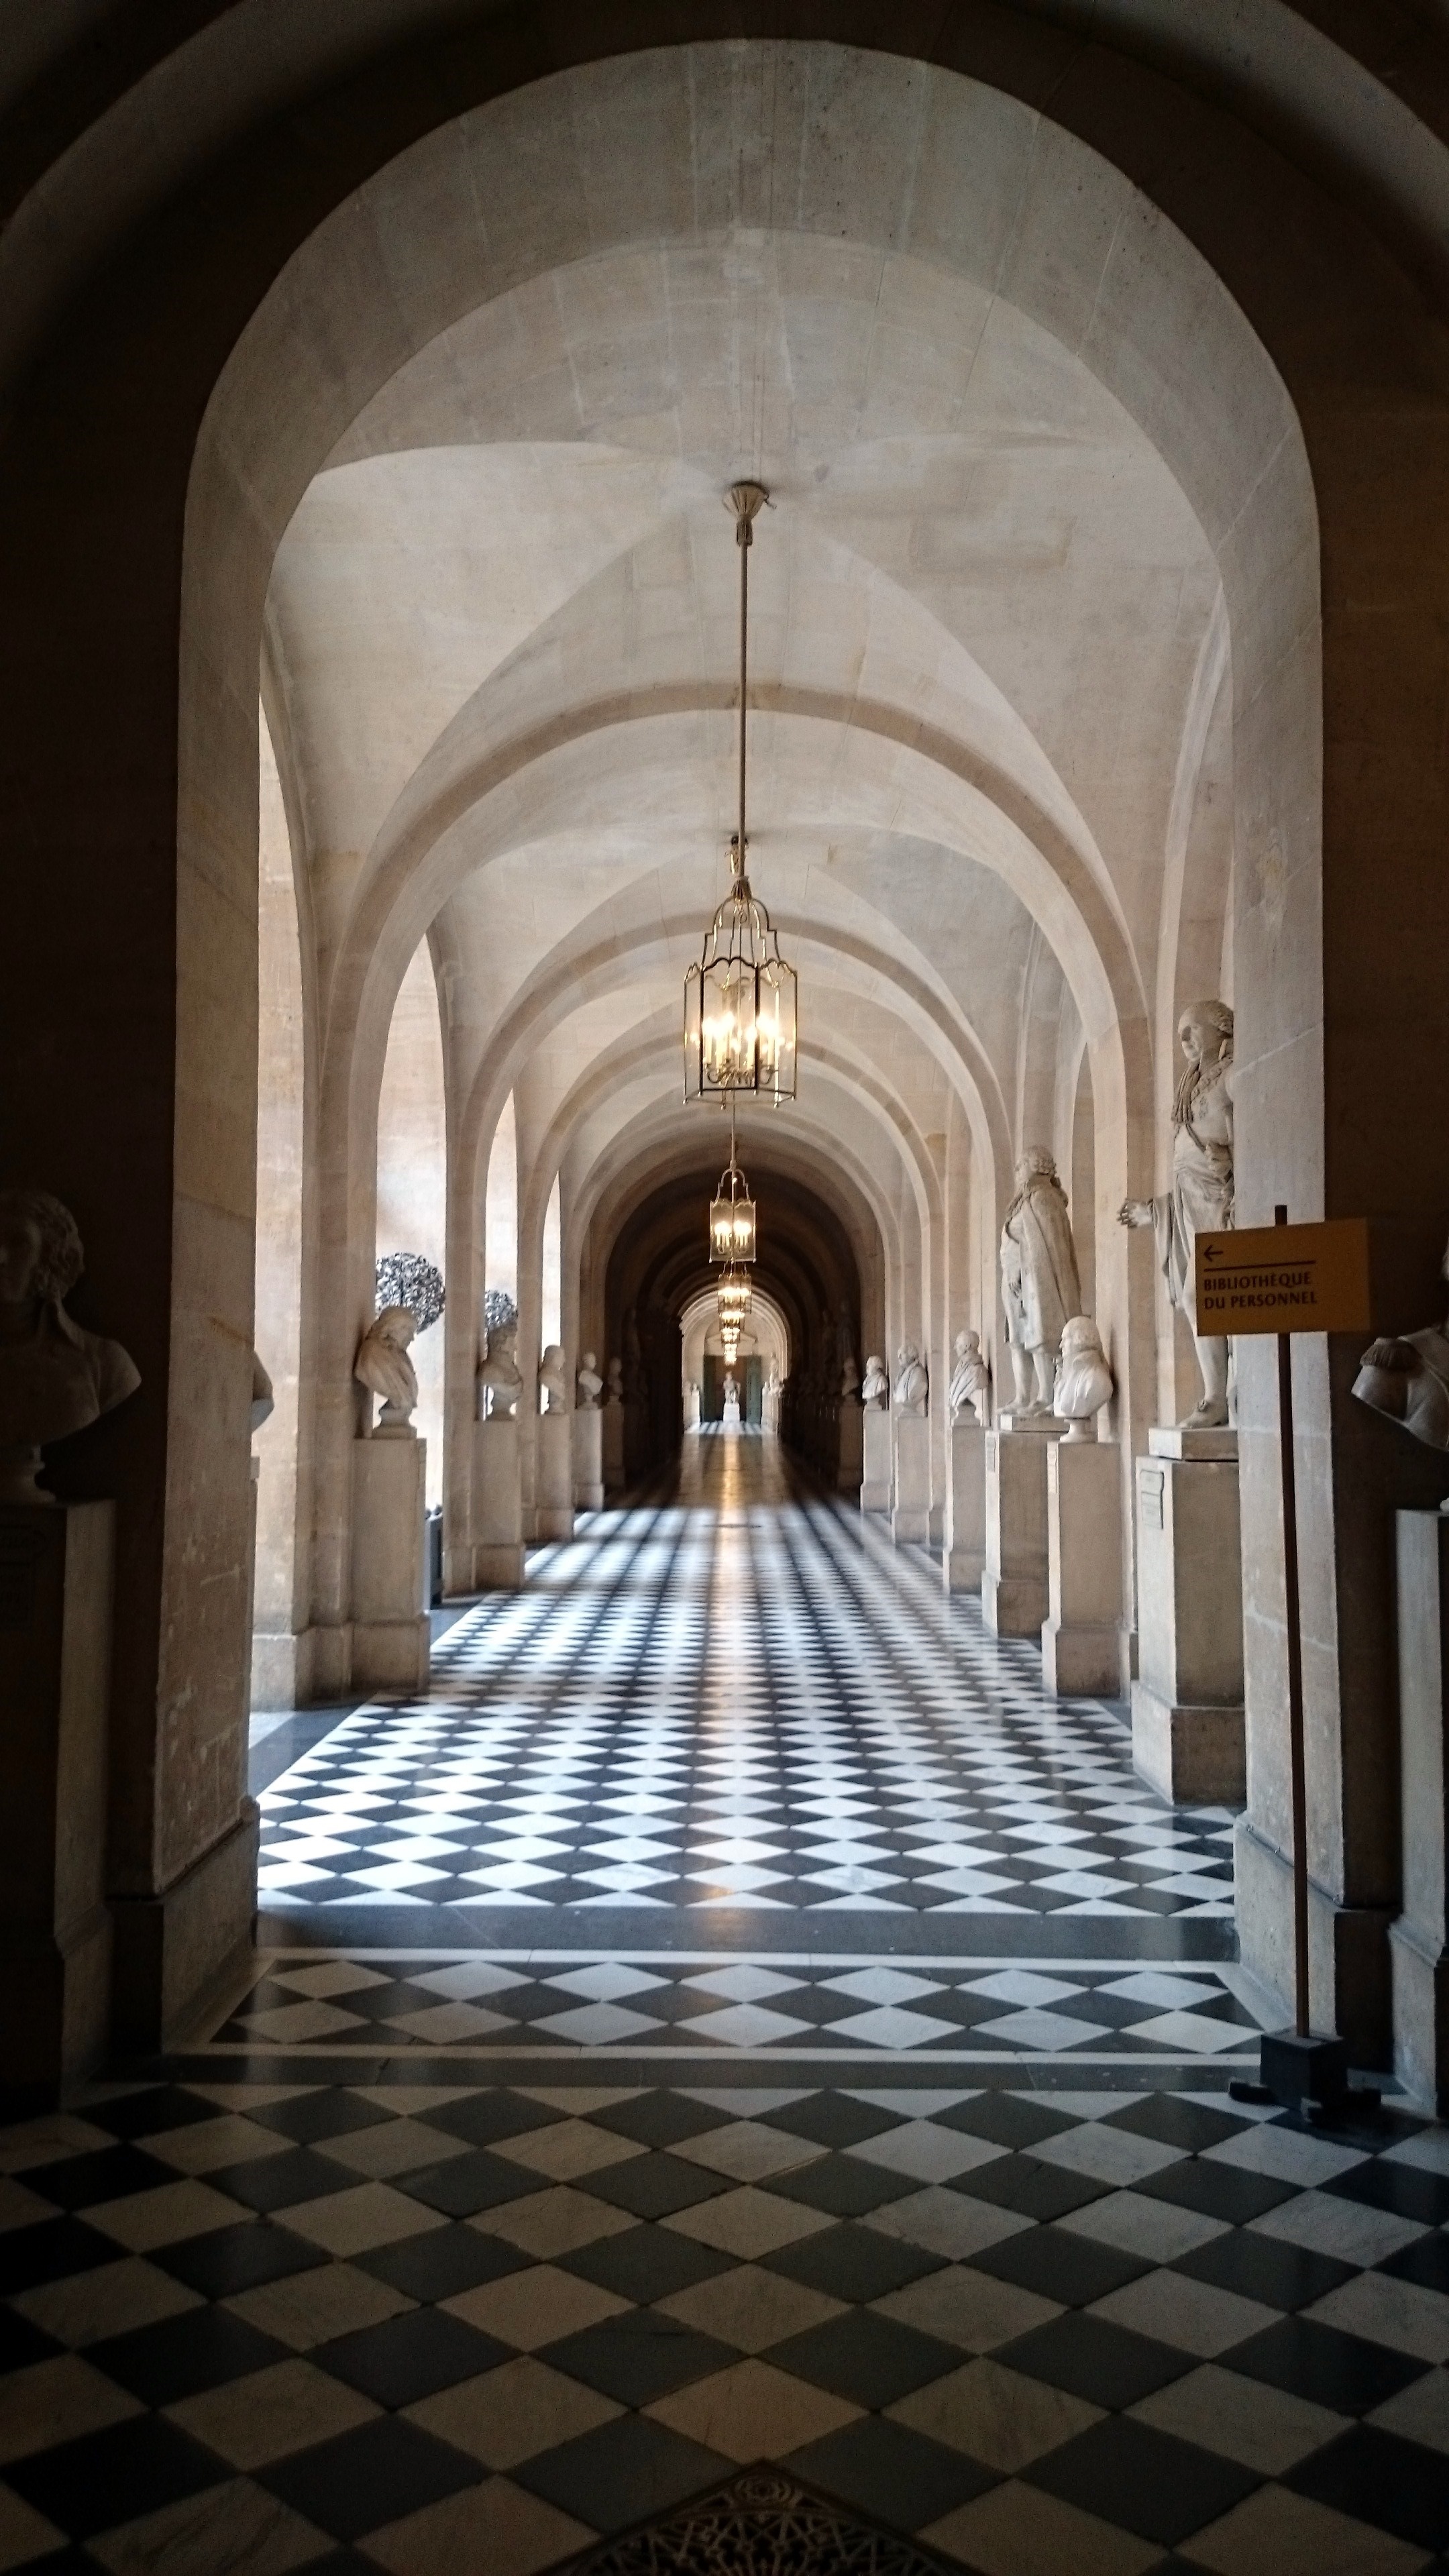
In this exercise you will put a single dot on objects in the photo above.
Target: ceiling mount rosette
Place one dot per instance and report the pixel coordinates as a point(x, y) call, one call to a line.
point(740, 1001)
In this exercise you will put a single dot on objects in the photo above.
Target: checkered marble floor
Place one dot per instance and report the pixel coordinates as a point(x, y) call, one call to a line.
point(738, 1699)
point(254, 2323)
point(499, 2004)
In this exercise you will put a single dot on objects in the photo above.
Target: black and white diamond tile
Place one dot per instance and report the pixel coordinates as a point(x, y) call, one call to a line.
point(722, 1709)
point(645, 2002)
point(446, 2328)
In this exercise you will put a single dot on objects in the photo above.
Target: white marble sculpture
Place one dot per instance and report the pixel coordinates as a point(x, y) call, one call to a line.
point(970, 1379)
point(1084, 1380)
point(731, 1404)
point(616, 1381)
point(499, 1380)
point(912, 1383)
point(1200, 1200)
point(382, 1365)
point(877, 1387)
point(590, 1385)
point(1039, 1283)
point(55, 1378)
point(1407, 1380)
point(553, 1379)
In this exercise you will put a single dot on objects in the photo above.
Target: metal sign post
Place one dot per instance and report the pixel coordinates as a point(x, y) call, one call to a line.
point(1283, 1280)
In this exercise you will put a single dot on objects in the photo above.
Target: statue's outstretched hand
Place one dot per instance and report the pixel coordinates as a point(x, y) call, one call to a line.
point(1390, 1355)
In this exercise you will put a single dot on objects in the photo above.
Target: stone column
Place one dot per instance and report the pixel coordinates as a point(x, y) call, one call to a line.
point(852, 1445)
point(612, 1447)
point(56, 1576)
point(964, 1559)
point(553, 1510)
point(497, 1505)
point(1419, 1940)
point(1081, 1642)
point(1187, 1702)
point(911, 1502)
point(875, 1486)
point(1014, 1591)
point(391, 1631)
point(588, 1455)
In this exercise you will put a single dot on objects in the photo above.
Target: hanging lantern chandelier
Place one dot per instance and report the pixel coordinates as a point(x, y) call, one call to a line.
point(732, 1212)
point(733, 1295)
point(730, 1343)
point(740, 1000)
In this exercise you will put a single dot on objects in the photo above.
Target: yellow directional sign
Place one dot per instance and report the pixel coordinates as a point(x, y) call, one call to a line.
point(1285, 1279)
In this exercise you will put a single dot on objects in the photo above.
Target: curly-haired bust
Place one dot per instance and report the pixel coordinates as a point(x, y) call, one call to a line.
point(54, 1377)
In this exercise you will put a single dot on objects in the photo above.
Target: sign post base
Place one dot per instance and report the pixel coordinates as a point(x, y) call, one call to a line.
point(1308, 2074)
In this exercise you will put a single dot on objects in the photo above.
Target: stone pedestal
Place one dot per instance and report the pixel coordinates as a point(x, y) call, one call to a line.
point(963, 1561)
point(875, 1481)
point(497, 1506)
point(612, 1443)
point(588, 1453)
point(1081, 1643)
point(1419, 1940)
point(852, 1445)
point(1187, 1703)
point(390, 1627)
point(911, 1498)
point(553, 1492)
point(56, 1564)
point(1014, 1590)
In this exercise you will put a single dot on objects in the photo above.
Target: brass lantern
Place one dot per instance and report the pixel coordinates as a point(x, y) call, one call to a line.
point(732, 1217)
point(733, 1296)
point(740, 1018)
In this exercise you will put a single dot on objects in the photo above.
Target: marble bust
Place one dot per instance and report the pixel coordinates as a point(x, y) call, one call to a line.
point(553, 1379)
point(1200, 1200)
point(1084, 1380)
point(876, 1388)
point(1407, 1380)
point(590, 1384)
point(970, 1379)
point(616, 1381)
point(55, 1378)
point(382, 1365)
point(912, 1383)
point(499, 1380)
point(849, 1380)
point(1040, 1287)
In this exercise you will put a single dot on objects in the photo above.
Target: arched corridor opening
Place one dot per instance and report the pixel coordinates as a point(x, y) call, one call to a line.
point(651, 1820)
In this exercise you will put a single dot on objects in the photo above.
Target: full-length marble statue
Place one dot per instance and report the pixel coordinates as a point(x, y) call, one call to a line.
point(384, 1367)
point(1200, 1200)
point(970, 1379)
point(1039, 1282)
point(912, 1383)
point(1407, 1379)
point(55, 1377)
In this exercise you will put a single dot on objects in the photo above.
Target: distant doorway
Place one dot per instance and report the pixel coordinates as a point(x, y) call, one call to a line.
point(750, 1375)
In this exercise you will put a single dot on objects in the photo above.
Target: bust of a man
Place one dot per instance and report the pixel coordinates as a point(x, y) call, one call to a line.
point(876, 1387)
point(590, 1384)
point(1084, 1378)
point(382, 1365)
point(499, 1380)
point(553, 1379)
point(970, 1378)
point(849, 1379)
point(55, 1378)
point(912, 1384)
point(616, 1381)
